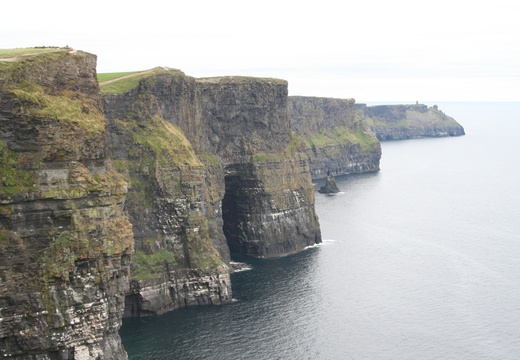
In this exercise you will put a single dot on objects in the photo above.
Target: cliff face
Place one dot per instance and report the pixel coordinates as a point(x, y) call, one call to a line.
point(169, 165)
point(334, 135)
point(181, 169)
point(65, 243)
point(398, 122)
point(268, 206)
point(174, 199)
point(206, 158)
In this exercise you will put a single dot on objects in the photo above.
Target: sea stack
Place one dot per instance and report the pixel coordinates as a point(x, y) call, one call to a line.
point(330, 186)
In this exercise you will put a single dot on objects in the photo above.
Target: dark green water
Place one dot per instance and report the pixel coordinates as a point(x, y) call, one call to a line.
point(420, 261)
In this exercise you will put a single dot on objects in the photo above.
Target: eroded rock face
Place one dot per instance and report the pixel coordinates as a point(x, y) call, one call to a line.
point(335, 135)
point(399, 122)
point(65, 242)
point(268, 207)
point(174, 199)
point(191, 149)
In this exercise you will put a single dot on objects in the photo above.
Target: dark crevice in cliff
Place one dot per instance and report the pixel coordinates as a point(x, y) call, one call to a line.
point(264, 218)
point(235, 213)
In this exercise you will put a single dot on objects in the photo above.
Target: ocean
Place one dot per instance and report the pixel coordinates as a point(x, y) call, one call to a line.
point(420, 260)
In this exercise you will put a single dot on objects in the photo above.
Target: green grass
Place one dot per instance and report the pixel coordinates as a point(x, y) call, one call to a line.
point(12, 180)
point(63, 108)
point(111, 76)
point(209, 158)
point(13, 59)
point(261, 158)
point(7, 53)
point(339, 136)
point(167, 141)
point(119, 83)
point(150, 266)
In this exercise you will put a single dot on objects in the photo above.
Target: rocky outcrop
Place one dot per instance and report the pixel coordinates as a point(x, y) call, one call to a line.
point(65, 242)
point(330, 186)
point(334, 135)
point(399, 122)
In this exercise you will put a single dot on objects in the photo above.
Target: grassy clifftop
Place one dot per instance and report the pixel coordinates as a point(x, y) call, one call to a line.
point(121, 82)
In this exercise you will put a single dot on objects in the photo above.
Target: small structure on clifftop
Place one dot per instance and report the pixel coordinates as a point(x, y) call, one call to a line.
point(330, 186)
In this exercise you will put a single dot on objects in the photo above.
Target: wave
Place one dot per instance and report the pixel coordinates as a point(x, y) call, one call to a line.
point(312, 246)
point(240, 266)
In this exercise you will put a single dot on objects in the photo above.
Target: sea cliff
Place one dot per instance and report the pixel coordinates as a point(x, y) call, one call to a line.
point(400, 122)
point(174, 199)
point(335, 135)
point(65, 241)
point(128, 203)
point(268, 205)
point(127, 196)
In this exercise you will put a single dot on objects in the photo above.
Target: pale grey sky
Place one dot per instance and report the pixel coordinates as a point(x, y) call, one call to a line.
point(371, 50)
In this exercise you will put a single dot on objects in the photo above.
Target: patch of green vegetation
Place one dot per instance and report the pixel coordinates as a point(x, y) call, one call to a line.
point(12, 180)
point(119, 83)
point(149, 266)
point(209, 158)
point(111, 76)
point(108, 182)
point(4, 239)
point(398, 125)
point(198, 247)
point(59, 257)
point(9, 239)
point(295, 144)
point(63, 239)
point(209, 262)
point(367, 120)
point(340, 136)
point(261, 158)
point(65, 107)
point(120, 165)
point(365, 139)
point(13, 59)
point(7, 53)
point(167, 141)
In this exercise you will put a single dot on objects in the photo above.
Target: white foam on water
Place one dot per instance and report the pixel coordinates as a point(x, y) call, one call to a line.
point(325, 241)
point(311, 246)
point(245, 267)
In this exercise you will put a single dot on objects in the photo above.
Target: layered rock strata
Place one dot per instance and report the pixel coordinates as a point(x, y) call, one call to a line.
point(335, 135)
point(268, 207)
point(184, 144)
point(183, 170)
point(65, 242)
point(174, 199)
point(399, 122)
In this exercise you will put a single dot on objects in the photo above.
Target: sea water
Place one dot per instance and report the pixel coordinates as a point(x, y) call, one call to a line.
point(420, 260)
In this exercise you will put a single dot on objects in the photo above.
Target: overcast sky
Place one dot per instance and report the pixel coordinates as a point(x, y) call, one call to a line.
point(399, 50)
